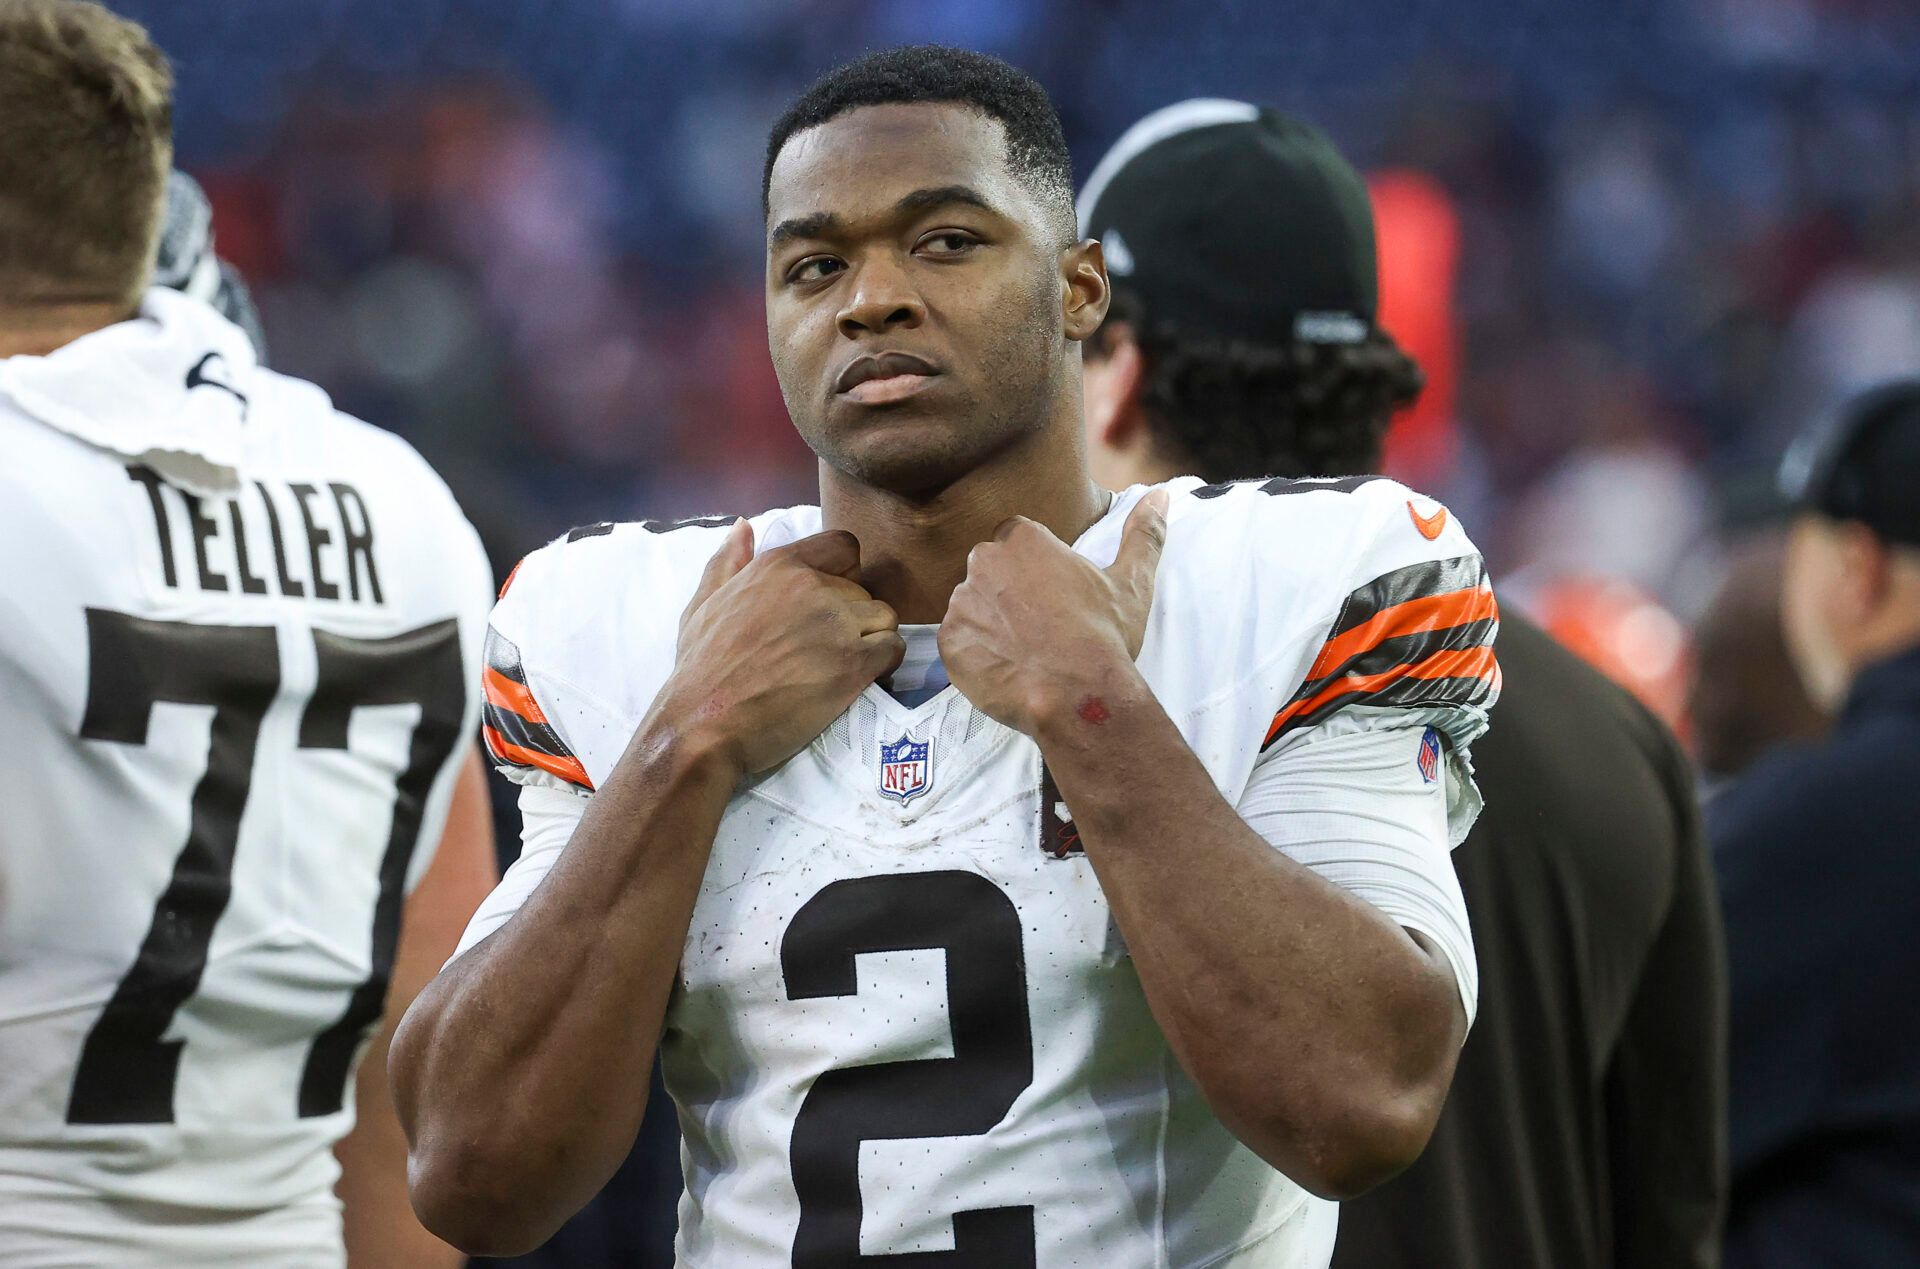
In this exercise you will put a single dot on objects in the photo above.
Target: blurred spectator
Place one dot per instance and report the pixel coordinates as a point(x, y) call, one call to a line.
point(1820, 880)
point(1746, 697)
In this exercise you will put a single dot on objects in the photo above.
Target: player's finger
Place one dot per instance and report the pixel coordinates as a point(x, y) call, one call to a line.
point(884, 650)
point(849, 592)
point(835, 552)
point(735, 553)
point(871, 616)
point(1007, 526)
point(1141, 542)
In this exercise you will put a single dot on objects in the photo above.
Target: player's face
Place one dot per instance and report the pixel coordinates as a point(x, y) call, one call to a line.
point(919, 307)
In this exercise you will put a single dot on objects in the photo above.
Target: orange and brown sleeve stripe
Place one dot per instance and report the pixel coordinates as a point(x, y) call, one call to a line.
point(1420, 636)
point(516, 729)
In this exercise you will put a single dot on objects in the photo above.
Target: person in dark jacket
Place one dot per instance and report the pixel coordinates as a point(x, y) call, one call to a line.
point(1585, 1129)
point(1818, 849)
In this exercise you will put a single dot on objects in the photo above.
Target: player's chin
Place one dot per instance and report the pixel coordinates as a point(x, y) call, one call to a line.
point(912, 454)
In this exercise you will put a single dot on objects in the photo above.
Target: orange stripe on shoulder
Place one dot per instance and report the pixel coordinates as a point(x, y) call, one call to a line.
point(516, 698)
point(513, 573)
point(1461, 663)
point(568, 769)
point(1415, 616)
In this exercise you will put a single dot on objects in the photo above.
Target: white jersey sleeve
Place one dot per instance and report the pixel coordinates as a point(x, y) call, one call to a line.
point(1338, 702)
point(1363, 804)
point(1368, 757)
point(549, 812)
point(1282, 604)
point(1406, 619)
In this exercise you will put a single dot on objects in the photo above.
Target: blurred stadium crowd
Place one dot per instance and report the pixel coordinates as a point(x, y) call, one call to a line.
point(525, 234)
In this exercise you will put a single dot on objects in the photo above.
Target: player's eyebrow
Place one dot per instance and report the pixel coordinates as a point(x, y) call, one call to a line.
point(923, 199)
point(919, 200)
point(802, 227)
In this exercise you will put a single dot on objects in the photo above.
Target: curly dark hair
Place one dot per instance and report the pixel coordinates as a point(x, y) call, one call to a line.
point(1037, 153)
point(1228, 409)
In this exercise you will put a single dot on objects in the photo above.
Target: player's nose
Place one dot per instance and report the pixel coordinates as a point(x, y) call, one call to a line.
point(880, 300)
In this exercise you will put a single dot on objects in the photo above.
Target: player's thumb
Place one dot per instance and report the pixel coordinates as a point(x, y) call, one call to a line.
point(735, 553)
point(1141, 542)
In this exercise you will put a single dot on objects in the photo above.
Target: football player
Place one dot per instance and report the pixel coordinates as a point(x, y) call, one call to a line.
point(995, 863)
point(237, 658)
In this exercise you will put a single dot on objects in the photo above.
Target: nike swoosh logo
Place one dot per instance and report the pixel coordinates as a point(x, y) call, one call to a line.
point(198, 378)
point(1431, 526)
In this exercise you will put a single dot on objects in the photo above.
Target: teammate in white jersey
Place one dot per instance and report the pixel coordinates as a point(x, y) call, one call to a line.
point(237, 664)
point(999, 866)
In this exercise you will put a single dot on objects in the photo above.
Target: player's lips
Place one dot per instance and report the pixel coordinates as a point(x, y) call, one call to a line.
point(887, 377)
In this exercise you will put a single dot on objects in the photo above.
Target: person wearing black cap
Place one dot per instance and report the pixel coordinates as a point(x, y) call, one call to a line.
point(1242, 340)
point(1585, 1126)
point(1820, 878)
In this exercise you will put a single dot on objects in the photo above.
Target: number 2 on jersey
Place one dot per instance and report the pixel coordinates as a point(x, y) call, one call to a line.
point(127, 1068)
point(974, 922)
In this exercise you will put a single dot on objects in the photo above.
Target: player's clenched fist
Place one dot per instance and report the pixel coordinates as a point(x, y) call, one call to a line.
point(1035, 626)
point(775, 648)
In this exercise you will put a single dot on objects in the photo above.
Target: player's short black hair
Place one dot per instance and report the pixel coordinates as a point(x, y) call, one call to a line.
point(1230, 409)
point(1036, 148)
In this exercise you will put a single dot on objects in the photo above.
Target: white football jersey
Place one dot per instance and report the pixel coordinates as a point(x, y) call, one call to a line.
point(905, 1023)
point(237, 718)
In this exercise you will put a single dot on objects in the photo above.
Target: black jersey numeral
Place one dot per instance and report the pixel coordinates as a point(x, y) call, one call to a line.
point(423, 668)
point(127, 1069)
point(1280, 486)
point(974, 922)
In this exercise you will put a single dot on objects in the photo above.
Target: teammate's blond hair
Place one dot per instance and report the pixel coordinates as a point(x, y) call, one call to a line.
point(86, 141)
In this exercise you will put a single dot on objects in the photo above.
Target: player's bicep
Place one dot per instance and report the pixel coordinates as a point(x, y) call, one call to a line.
point(1373, 803)
point(550, 810)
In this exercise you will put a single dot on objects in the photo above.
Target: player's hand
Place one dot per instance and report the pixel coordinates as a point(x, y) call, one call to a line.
point(1036, 628)
point(773, 649)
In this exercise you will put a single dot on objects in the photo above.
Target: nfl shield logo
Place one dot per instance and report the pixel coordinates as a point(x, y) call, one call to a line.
point(906, 768)
point(1430, 756)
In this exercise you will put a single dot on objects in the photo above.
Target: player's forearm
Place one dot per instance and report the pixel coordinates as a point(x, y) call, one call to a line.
point(1321, 1034)
point(521, 1072)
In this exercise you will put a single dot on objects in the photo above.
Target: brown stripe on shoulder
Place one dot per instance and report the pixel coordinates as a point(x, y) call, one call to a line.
point(1429, 577)
point(517, 729)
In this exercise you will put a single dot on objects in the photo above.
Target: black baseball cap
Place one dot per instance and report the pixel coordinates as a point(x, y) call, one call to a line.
point(1231, 220)
point(1862, 463)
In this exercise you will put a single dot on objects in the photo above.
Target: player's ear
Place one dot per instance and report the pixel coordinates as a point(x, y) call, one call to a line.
point(1866, 569)
point(1084, 290)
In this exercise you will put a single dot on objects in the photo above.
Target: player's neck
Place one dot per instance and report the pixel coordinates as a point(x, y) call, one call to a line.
point(913, 553)
point(35, 329)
